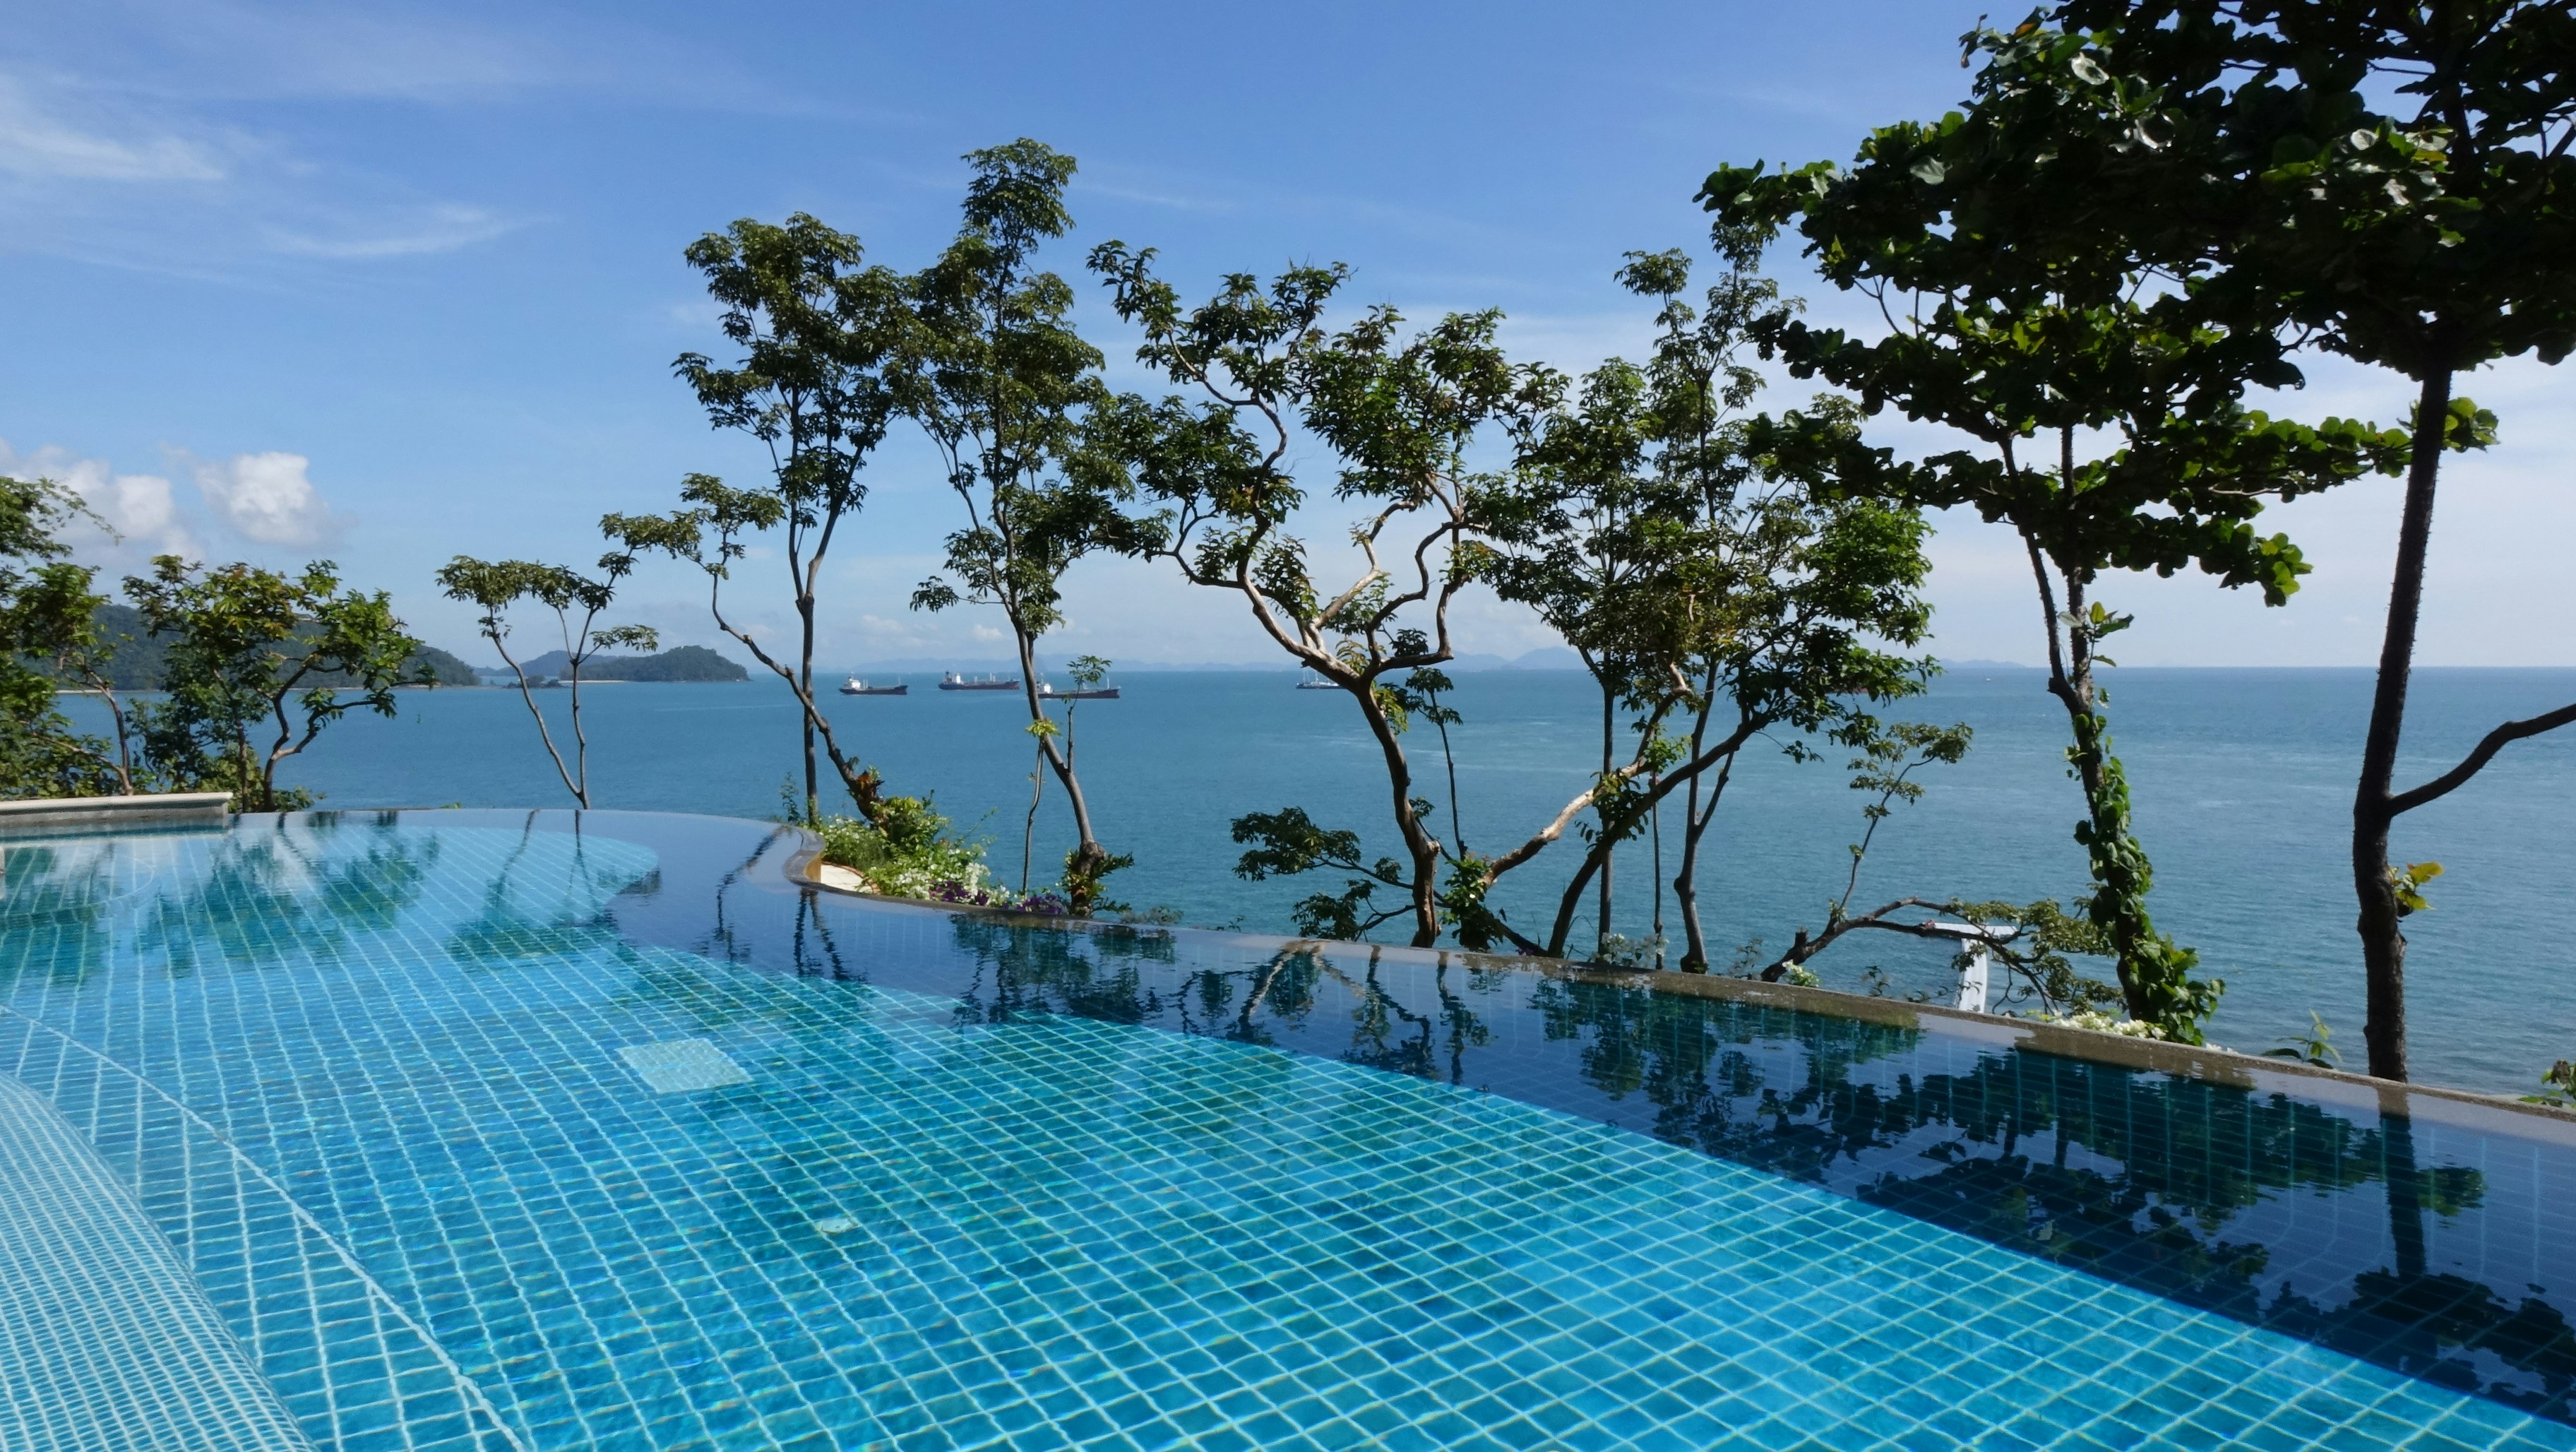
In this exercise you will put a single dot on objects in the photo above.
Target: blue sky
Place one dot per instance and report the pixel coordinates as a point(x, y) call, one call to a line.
point(389, 283)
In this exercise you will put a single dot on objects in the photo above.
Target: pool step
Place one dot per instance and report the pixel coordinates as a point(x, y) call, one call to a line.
point(107, 1342)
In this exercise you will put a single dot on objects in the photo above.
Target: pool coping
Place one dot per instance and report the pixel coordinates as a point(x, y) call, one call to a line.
point(159, 809)
point(2467, 1108)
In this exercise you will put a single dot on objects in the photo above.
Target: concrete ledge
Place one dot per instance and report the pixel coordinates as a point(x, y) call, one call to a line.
point(210, 807)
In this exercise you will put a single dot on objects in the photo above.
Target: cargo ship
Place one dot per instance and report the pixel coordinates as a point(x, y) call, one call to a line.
point(856, 687)
point(955, 682)
point(1096, 693)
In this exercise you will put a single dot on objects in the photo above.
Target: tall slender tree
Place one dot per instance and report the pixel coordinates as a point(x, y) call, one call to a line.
point(708, 532)
point(1782, 599)
point(495, 586)
point(2390, 180)
point(1395, 413)
point(999, 380)
point(1574, 541)
point(2015, 316)
point(815, 329)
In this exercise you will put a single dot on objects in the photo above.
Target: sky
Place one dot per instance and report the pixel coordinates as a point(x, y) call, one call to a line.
point(384, 284)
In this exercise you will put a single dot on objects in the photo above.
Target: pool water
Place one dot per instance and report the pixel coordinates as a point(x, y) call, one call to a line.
point(516, 1132)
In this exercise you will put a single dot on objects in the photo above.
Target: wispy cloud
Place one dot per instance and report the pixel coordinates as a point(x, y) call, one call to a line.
point(36, 142)
point(428, 230)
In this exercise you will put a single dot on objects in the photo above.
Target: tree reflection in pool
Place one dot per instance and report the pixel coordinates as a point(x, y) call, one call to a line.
point(2437, 1244)
point(2439, 1250)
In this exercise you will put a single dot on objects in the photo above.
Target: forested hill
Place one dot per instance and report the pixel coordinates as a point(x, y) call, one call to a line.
point(136, 665)
point(680, 663)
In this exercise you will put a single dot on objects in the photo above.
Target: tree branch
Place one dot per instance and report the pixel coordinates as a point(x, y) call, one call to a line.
point(2496, 740)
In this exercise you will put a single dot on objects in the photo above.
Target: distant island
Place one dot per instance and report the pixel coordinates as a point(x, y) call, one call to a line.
point(136, 665)
point(680, 663)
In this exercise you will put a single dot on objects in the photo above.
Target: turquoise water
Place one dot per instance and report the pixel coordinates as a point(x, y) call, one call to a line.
point(2243, 784)
point(481, 1133)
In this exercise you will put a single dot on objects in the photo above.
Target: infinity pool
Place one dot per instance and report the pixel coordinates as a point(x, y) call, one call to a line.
point(448, 1130)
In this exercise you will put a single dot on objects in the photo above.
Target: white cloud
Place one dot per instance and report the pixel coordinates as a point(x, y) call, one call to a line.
point(34, 143)
point(139, 509)
point(426, 230)
point(268, 498)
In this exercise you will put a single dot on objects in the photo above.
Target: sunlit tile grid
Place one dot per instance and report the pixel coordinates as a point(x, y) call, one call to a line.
point(108, 1338)
point(903, 1231)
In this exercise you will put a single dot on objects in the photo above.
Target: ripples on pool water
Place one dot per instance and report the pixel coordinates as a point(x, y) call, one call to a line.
point(478, 1131)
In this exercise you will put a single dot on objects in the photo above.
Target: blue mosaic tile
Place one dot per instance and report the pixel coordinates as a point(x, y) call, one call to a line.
point(376, 1085)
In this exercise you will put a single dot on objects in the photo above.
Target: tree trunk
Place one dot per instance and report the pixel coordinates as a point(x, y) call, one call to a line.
point(1686, 879)
point(805, 688)
point(1686, 888)
point(1424, 888)
point(1609, 730)
point(1029, 829)
point(2383, 941)
point(1083, 869)
point(1695, 825)
point(529, 696)
point(2155, 975)
point(580, 741)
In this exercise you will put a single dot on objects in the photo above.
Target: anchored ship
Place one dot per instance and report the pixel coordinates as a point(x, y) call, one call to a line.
point(1097, 693)
point(955, 682)
point(856, 687)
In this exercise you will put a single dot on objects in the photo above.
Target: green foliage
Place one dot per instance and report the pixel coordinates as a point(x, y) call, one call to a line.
point(811, 382)
point(2042, 954)
point(993, 370)
point(246, 646)
point(2407, 883)
point(128, 656)
point(1395, 412)
point(1888, 759)
point(2391, 182)
point(50, 623)
point(1288, 842)
point(1702, 557)
point(708, 532)
point(2024, 315)
point(495, 587)
point(2316, 1047)
point(908, 851)
point(681, 663)
point(2557, 1087)
point(995, 373)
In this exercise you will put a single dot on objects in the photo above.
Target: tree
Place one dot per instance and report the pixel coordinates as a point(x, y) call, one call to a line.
point(496, 586)
point(709, 534)
point(2389, 181)
point(1700, 556)
point(1777, 596)
point(999, 379)
point(1577, 526)
point(2018, 317)
point(815, 329)
point(244, 643)
point(48, 622)
point(1396, 414)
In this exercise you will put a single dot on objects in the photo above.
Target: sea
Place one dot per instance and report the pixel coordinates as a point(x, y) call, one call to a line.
point(2242, 781)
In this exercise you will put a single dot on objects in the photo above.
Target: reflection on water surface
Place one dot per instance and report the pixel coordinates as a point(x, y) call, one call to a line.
point(2436, 1245)
point(2441, 1249)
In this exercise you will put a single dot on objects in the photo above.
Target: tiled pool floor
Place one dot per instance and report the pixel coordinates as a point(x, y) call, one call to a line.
point(551, 1189)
